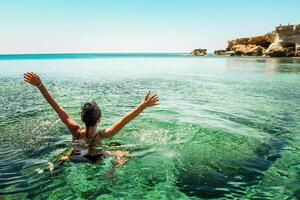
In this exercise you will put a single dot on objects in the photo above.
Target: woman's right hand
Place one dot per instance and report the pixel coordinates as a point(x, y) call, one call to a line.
point(32, 78)
point(151, 100)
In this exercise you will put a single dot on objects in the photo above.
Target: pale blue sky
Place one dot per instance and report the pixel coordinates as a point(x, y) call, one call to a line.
point(58, 26)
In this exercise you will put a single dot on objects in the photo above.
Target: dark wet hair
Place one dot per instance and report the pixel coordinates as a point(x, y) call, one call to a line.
point(90, 113)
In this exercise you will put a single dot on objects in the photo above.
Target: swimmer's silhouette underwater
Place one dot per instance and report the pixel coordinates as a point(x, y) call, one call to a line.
point(86, 139)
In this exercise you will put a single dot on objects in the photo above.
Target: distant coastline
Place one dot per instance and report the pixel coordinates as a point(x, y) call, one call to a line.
point(58, 56)
point(284, 41)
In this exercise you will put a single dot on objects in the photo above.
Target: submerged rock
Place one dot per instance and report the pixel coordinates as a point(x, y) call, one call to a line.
point(199, 52)
point(283, 42)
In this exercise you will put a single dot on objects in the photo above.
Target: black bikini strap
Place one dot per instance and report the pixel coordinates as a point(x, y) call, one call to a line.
point(78, 135)
point(93, 139)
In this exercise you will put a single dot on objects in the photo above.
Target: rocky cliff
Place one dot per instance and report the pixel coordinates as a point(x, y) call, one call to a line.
point(283, 42)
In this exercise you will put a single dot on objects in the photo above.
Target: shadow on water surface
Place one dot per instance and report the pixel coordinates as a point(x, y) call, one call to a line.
point(238, 176)
point(233, 181)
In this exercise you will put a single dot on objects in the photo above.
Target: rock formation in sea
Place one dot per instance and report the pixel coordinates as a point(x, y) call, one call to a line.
point(284, 41)
point(199, 52)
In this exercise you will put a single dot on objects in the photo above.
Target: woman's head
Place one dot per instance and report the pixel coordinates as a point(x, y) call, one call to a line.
point(90, 113)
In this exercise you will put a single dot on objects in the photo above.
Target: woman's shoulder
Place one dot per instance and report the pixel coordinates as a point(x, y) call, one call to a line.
point(98, 138)
point(80, 133)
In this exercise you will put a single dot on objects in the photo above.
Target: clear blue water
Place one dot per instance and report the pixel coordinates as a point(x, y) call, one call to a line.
point(227, 127)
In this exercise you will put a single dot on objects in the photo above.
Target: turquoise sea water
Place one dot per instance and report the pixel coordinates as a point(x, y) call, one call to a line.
point(226, 127)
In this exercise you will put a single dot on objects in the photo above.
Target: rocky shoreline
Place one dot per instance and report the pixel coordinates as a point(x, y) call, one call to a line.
point(284, 41)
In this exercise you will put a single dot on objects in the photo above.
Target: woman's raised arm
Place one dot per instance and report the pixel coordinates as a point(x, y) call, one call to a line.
point(116, 127)
point(34, 79)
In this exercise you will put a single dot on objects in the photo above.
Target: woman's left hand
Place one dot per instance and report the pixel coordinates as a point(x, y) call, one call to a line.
point(32, 78)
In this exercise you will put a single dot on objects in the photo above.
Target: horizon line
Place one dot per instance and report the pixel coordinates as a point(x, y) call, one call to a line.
point(60, 53)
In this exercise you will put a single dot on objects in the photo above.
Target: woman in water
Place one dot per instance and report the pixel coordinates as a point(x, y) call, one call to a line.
point(86, 139)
